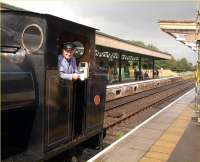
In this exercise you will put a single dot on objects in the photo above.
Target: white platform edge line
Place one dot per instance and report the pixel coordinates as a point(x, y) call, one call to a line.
point(146, 121)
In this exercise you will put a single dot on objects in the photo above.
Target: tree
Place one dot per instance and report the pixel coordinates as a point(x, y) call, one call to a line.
point(181, 65)
point(138, 43)
point(144, 45)
point(151, 46)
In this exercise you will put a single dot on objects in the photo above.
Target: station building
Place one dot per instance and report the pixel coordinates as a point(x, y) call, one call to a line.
point(125, 60)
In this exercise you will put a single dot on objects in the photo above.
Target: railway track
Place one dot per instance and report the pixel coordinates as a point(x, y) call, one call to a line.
point(124, 100)
point(120, 120)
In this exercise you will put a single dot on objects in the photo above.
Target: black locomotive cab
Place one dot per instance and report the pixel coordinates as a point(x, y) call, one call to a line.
point(43, 114)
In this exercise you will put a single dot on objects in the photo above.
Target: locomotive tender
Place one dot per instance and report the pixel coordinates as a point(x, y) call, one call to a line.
point(42, 114)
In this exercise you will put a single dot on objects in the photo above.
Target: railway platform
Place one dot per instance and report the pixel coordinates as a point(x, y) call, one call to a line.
point(169, 135)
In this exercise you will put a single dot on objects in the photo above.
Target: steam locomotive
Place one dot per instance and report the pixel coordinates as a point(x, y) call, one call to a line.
point(42, 114)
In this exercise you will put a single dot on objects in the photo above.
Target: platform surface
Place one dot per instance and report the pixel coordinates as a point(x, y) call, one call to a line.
point(164, 137)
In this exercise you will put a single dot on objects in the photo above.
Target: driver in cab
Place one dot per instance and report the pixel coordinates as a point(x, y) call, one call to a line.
point(67, 63)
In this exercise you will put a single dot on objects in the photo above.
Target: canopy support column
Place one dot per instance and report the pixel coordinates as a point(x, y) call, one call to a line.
point(153, 70)
point(120, 64)
point(140, 69)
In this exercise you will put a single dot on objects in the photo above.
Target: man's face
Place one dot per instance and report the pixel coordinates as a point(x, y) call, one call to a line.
point(67, 53)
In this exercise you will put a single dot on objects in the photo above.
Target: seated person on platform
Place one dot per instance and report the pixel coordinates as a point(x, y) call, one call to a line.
point(67, 63)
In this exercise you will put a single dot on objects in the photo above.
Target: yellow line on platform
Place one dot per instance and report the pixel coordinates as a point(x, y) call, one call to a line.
point(161, 150)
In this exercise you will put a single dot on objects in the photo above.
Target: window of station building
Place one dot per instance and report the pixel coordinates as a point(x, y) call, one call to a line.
point(108, 61)
point(129, 67)
point(147, 68)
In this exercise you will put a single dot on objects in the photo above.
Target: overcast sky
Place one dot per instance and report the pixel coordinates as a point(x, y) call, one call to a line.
point(130, 19)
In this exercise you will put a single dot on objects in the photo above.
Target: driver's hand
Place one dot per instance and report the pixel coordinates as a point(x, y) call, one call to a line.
point(75, 76)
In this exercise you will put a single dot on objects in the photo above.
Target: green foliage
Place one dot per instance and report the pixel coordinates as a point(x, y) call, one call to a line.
point(151, 46)
point(119, 135)
point(181, 65)
point(142, 44)
point(139, 43)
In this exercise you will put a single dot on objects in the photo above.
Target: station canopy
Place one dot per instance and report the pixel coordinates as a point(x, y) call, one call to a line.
point(108, 41)
point(183, 31)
